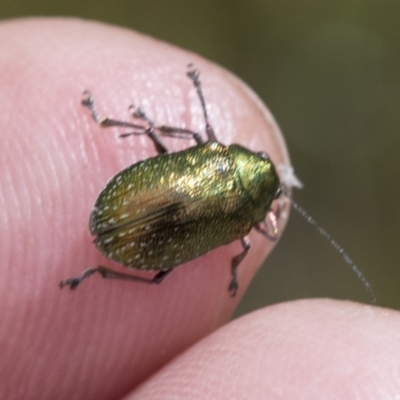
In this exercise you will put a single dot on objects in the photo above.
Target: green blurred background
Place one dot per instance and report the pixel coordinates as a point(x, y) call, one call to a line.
point(330, 73)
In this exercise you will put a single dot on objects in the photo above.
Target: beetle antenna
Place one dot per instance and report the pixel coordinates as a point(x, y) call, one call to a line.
point(334, 244)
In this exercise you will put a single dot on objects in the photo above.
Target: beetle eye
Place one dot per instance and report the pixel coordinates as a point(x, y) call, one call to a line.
point(264, 155)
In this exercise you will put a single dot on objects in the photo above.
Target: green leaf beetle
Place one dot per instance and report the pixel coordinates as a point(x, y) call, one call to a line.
point(166, 210)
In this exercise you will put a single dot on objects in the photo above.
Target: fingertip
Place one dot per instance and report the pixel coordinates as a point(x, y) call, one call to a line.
point(56, 161)
point(303, 349)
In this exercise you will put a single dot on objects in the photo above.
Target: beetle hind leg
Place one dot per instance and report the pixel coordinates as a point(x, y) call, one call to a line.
point(233, 286)
point(107, 273)
point(74, 282)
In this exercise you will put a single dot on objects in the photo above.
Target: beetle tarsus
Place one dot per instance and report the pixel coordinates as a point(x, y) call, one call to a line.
point(88, 102)
point(74, 282)
point(233, 286)
point(138, 113)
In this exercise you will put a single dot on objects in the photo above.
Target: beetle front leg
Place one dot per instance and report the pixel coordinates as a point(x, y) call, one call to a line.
point(107, 273)
point(88, 101)
point(165, 130)
point(180, 133)
point(233, 286)
point(194, 75)
point(269, 227)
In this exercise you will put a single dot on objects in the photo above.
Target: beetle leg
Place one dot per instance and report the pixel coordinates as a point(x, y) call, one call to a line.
point(194, 75)
point(165, 130)
point(233, 286)
point(150, 132)
point(158, 143)
point(74, 282)
point(269, 227)
point(88, 101)
point(107, 273)
point(180, 133)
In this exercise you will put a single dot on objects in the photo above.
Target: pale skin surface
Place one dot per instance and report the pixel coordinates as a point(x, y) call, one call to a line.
point(107, 337)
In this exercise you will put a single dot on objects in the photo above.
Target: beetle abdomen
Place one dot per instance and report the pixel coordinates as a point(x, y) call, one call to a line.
point(170, 209)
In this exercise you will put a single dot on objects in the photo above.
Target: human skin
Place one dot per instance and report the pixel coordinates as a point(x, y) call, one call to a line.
point(107, 337)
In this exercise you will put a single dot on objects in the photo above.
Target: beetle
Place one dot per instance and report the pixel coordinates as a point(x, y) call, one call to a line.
point(167, 210)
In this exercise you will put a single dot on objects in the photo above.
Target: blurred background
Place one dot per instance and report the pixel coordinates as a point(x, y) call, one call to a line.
point(330, 73)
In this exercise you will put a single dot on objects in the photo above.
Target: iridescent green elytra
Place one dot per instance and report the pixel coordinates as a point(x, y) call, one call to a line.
point(164, 211)
point(170, 209)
